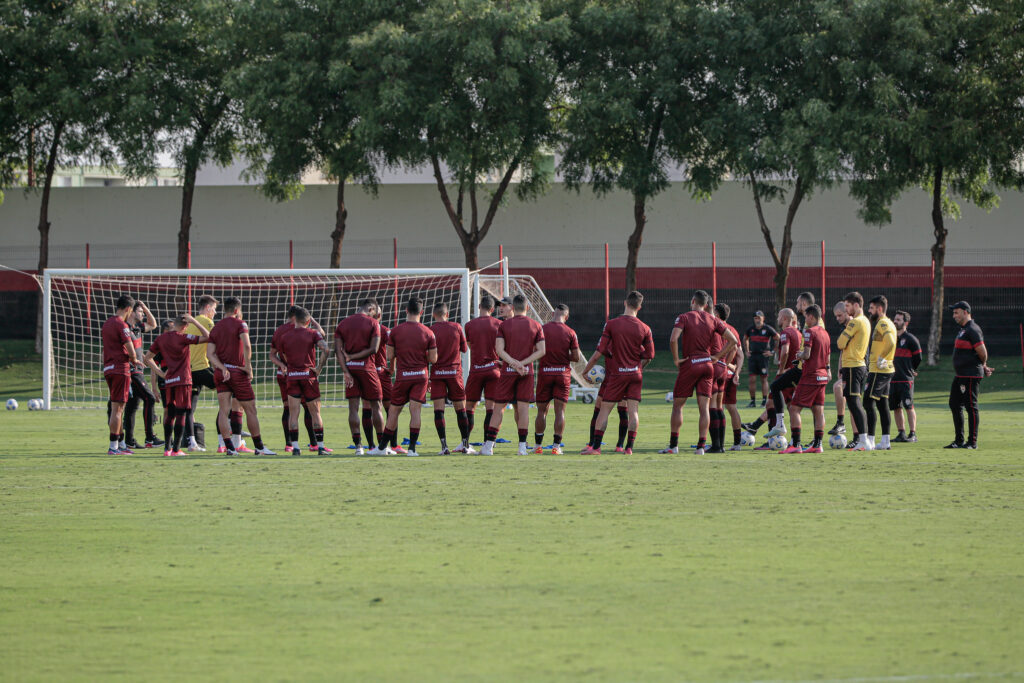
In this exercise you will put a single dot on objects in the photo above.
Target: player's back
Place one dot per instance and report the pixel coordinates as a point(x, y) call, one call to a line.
point(115, 334)
point(699, 329)
point(794, 341)
point(629, 341)
point(299, 348)
point(815, 367)
point(521, 335)
point(732, 354)
point(225, 335)
point(174, 348)
point(481, 334)
point(380, 359)
point(559, 341)
point(198, 351)
point(411, 341)
point(356, 332)
point(451, 342)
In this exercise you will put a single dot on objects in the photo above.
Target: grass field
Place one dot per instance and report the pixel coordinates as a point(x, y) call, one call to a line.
point(904, 565)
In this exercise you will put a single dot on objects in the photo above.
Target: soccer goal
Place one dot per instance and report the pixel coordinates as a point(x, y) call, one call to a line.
point(77, 301)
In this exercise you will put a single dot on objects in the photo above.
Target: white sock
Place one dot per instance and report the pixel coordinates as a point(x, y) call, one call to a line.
point(113, 446)
point(320, 444)
point(220, 441)
point(122, 445)
point(192, 443)
point(236, 441)
point(884, 441)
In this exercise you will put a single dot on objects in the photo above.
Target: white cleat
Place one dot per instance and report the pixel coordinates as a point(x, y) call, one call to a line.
point(671, 450)
point(488, 448)
point(389, 451)
point(411, 454)
point(360, 450)
point(523, 449)
point(883, 444)
point(375, 451)
point(776, 431)
point(196, 449)
point(265, 451)
point(469, 450)
point(736, 447)
point(863, 445)
point(698, 451)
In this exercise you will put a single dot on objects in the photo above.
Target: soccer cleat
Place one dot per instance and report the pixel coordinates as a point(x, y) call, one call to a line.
point(324, 451)
point(168, 454)
point(154, 442)
point(764, 402)
point(752, 404)
point(900, 438)
point(221, 449)
point(620, 449)
point(125, 451)
point(133, 444)
point(853, 443)
point(764, 447)
point(113, 451)
point(590, 450)
point(245, 449)
point(470, 451)
point(313, 448)
point(556, 450)
point(539, 450)
point(444, 451)
point(970, 446)
point(399, 450)
point(670, 450)
point(523, 449)
point(698, 451)
point(749, 427)
point(360, 450)
point(813, 449)
point(736, 447)
point(461, 448)
point(265, 451)
point(776, 431)
point(178, 453)
point(230, 451)
point(628, 451)
point(955, 444)
point(791, 449)
point(388, 450)
point(863, 445)
point(411, 454)
point(912, 438)
point(837, 428)
point(487, 448)
point(715, 450)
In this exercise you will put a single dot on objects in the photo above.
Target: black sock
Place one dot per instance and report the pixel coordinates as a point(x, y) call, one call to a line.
point(284, 426)
point(796, 436)
point(756, 424)
point(523, 433)
point(257, 441)
point(357, 438)
point(414, 436)
point(595, 443)
point(442, 430)
point(235, 420)
point(623, 427)
point(558, 440)
point(487, 424)
point(539, 438)
point(630, 439)
point(593, 423)
point(307, 419)
point(169, 413)
point(293, 437)
point(884, 416)
point(470, 423)
point(840, 419)
point(368, 426)
point(869, 408)
point(735, 437)
point(462, 419)
point(490, 433)
point(179, 428)
point(318, 436)
point(673, 440)
point(819, 434)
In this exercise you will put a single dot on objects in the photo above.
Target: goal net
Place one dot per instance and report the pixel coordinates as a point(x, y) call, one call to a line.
point(78, 301)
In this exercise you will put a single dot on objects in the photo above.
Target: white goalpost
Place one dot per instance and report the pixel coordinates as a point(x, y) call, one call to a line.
point(77, 301)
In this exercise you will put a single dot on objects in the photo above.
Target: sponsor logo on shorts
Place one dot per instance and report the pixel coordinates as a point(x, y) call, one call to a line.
point(485, 365)
point(234, 367)
point(555, 369)
point(413, 373)
point(298, 373)
point(356, 363)
point(705, 359)
point(108, 367)
point(821, 378)
point(172, 380)
point(635, 368)
point(446, 373)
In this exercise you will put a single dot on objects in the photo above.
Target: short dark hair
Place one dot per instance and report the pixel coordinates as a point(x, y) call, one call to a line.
point(563, 308)
point(814, 310)
point(486, 303)
point(180, 320)
point(880, 300)
point(635, 299)
point(302, 315)
point(701, 297)
point(906, 316)
point(367, 303)
point(519, 302)
point(293, 310)
point(232, 304)
point(854, 298)
point(723, 311)
point(166, 325)
point(440, 307)
point(414, 305)
point(125, 301)
point(807, 296)
point(205, 300)
point(137, 306)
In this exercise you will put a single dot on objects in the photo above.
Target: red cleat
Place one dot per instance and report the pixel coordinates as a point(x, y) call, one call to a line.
point(590, 450)
point(628, 451)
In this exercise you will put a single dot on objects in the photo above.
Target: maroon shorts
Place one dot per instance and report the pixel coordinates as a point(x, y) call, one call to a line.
point(622, 387)
point(406, 390)
point(512, 388)
point(449, 387)
point(238, 384)
point(720, 372)
point(553, 385)
point(306, 388)
point(481, 382)
point(694, 377)
point(366, 384)
point(730, 390)
point(282, 385)
point(178, 396)
point(787, 394)
point(385, 385)
point(808, 395)
point(118, 386)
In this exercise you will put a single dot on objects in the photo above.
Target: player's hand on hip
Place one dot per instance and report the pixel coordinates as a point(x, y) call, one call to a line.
point(227, 374)
point(882, 364)
point(349, 380)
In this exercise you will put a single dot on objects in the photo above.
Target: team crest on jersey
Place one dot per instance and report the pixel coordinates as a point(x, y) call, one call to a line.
point(963, 388)
point(903, 342)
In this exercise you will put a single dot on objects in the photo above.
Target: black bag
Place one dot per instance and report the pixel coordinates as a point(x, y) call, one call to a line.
point(199, 432)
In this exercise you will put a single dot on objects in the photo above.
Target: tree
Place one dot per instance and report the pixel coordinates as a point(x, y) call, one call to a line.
point(938, 106)
point(466, 87)
point(636, 88)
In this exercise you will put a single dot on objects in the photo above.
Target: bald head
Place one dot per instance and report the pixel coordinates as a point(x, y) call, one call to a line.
point(786, 317)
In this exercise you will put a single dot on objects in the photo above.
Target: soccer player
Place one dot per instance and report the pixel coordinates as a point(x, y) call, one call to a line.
point(906, 362)
point(853, 342)
point(202, 375)
point(725, 399)
point(880, 367)
point(786, 379)
point(484, 368)
point(229, 351)
point(172, 346)
point(411, 349)
point(561, 349)
point(281, 374)
point(356, 342)
point(157, 379)
point(814, 376)
point(306, 353)
point(139, 322)
point(757, 343)
point(384, 375)
point(970, 363)
point(519, 343)
point(839, 311)
point(118, 357)
point(446, 377)
point(694, 331)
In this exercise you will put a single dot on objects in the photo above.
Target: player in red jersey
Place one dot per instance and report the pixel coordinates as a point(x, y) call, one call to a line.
point(230, 353)
point(384, 375)
point(786, 379)
point(695, 331)
point(814, 378)
point(629, 341)
point(519, 343)
point(281, 374)
point(118, 358)
point(411, 349)
point(725, 400)
point(356, 342)
point(173, 348)
point(484, 365)
point(300, 346)
point(446, 376)
point(561, 350)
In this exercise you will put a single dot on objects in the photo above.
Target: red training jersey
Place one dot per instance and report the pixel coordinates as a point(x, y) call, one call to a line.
point(172, 347)
point(480, 334)
point(700, 329)
point(411, 342)
point(356, 332)
point(380, 359)
point(275, 343)
point(451, 343)
point(629, 341)
point(559, 341)
point(298, 346)
point(226, 336)
point(790, 336)
point(815, 369)
point(521, 335)
point(115, 335)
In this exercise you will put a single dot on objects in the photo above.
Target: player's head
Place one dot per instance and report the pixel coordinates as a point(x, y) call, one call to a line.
point(901, 319)
point(560, 314)
point(812, 314)
point(758, 319)
point(519, 304)
point(787, 318)
point(961, 312)
point(233, 307)
point(877, 307)
point(367, 305)
point(179, 323)
point(854, 304)
point(378, 313)
point(722, 311)
point(124, 305)
point(138, 312)
point(293, 311)
point(414, 307)
point(839, 310)
point(505, 307)
point(302, 316)
point(207, 305)
point(440, 311)
point(634, 301)
point(803, 301)
point(486, 305)
point(167, 325)
point(699, 300)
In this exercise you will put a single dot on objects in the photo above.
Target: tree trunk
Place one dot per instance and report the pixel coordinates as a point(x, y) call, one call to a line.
point(340, 217)
point(635, 240)
point(31, 157)
point(470, 248)
point(188, 190)
point(939, 255)
point(44, 225)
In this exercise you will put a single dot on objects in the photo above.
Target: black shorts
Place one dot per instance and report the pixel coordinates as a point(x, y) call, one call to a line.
point(878, 385)
point(787, 380)
point(901, 395)
point(203, 378)
point(853, 381)
point(758, 364)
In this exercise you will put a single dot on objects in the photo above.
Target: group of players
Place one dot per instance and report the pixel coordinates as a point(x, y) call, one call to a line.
point(386, 369)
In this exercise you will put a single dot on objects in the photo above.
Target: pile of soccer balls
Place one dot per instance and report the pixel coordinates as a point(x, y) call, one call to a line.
point(33, 404)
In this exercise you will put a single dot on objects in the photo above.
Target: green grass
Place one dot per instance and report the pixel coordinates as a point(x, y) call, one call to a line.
point(719, 568)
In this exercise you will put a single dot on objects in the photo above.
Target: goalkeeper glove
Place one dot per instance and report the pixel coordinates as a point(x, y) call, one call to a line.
point(882, 364)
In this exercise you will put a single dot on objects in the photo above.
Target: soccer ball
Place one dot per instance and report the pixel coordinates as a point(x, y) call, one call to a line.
point(778, 442)
point(837, 441)
point(12, 404)
point(35, 404)
point(747, 439)
point(669, 397)
point(596, 374)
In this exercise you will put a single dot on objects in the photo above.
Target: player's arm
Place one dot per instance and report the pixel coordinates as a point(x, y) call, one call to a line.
point(574, 354)
point(773, 343)
point(246, 352)
point(316, 326)
point(389, 357)
point(648, 351)
point(737, 364)
point(730, 343)
point(673, 345)
point(915, 359)
point(150, 323)
point(982, 352)
point(152, 364)
point(343, 358)
point(275, 358)
point(211, 355)
point(432, 355)
point(321, 358)
point(499, 348)
point(367, 352)
point(592, 361)
point(847, 335)
point(203, 334)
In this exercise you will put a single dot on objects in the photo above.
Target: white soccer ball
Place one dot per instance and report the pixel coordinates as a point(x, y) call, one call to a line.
point(12, 404)
point(837, 441)
point(596, 374)
point(669, 397)
point(33, 404)
point(778, 442)
point(747, 439)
